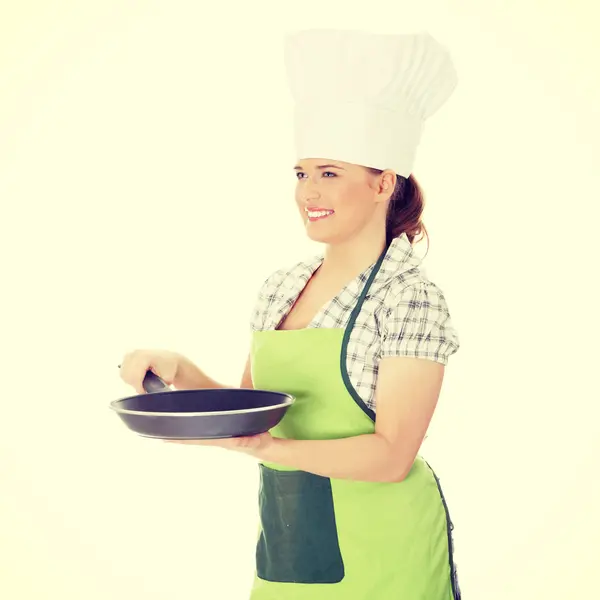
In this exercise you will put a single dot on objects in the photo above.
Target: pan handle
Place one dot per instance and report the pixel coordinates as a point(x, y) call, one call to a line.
point(153, 383)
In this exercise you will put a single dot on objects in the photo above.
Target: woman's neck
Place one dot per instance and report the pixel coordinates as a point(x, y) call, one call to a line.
point(350, 258)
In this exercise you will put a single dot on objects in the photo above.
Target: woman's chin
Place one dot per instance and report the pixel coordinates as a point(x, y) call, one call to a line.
point(318, 236)
point(318, 232)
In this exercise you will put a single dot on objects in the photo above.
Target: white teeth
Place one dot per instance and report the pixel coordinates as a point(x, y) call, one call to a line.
point(318, 213)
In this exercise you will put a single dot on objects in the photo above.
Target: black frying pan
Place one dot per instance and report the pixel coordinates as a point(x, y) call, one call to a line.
point(200, 414)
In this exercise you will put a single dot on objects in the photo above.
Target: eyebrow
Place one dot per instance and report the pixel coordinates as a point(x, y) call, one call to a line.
point(299, 168)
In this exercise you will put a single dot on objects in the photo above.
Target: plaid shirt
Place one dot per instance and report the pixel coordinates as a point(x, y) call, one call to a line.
point(404, 314)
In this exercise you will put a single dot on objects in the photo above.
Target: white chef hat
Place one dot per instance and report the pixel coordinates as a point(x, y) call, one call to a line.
point(363, 98)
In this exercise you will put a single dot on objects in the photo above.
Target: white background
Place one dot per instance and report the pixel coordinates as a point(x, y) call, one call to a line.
point(146, 192)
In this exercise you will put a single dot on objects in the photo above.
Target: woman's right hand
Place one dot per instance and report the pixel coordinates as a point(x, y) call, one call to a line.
point(163, 363)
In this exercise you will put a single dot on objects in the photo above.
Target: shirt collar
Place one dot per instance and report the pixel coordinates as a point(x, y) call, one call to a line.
point(399, 258)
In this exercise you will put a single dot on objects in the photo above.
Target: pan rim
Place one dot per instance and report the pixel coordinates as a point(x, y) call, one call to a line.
point(113, 405)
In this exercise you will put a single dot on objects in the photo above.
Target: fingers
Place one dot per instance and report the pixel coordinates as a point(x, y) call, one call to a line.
point(165, 366)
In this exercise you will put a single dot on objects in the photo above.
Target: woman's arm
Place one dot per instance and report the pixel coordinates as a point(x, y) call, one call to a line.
point(407, 394)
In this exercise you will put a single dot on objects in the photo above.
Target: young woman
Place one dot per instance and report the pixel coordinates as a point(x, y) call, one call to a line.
point(358, 335)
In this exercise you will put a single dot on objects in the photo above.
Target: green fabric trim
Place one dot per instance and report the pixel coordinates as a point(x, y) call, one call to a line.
point(343, 354)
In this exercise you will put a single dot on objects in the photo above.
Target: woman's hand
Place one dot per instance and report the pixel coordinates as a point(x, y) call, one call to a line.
point(163, 363)
point(173, 368)
point(247, 444)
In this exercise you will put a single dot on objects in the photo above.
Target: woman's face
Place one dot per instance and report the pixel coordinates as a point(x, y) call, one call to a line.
point(339, 200)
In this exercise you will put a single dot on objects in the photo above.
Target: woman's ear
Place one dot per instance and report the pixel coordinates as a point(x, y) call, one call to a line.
point(386, 185)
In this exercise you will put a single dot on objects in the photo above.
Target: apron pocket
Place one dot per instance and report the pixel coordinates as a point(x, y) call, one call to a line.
point(298, 542)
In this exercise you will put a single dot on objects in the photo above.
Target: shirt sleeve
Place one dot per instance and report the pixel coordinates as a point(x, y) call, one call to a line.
point(418, 324)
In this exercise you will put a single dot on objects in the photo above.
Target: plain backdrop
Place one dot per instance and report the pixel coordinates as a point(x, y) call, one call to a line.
point(146, 191)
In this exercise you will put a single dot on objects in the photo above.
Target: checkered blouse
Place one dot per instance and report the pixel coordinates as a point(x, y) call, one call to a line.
point(404, 314)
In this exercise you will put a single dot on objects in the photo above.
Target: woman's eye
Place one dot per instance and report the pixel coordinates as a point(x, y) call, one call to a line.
point(327, 174)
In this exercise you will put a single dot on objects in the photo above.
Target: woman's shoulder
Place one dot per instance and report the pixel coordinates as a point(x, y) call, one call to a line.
point(414, 282)
point(402, 274)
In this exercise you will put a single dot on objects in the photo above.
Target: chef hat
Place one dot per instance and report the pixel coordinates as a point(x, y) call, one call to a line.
point(363, 98)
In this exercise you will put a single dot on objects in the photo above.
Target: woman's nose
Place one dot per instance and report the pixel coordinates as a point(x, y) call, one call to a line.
point(310, 191)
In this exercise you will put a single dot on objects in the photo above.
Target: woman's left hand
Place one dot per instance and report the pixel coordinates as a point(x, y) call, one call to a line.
point(247, 444)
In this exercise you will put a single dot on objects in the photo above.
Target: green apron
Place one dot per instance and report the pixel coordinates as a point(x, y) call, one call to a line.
point(326, 539)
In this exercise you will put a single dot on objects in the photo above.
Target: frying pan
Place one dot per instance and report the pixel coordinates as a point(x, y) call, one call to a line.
point(200, 414)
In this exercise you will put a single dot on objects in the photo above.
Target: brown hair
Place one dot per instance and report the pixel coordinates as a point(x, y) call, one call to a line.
point(405, 209)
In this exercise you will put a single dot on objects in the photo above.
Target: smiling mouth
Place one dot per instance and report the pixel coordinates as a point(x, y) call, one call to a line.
point(318, 215)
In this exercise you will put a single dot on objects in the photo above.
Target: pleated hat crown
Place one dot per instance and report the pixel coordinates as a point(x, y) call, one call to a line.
point(363, 98)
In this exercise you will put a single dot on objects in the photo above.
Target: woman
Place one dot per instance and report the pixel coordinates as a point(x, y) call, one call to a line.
point(348, 508)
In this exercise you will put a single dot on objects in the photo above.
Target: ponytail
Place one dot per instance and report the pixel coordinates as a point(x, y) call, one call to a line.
point(405, 210)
